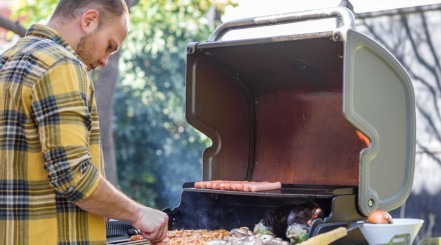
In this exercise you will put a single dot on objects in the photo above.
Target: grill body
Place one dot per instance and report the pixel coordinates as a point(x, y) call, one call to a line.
point(219, 209)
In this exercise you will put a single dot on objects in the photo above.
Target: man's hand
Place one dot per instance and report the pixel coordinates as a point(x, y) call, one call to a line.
point(152, 223)
point(109, 202)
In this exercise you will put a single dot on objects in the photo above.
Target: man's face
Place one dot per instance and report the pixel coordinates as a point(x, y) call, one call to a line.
point(96, 47)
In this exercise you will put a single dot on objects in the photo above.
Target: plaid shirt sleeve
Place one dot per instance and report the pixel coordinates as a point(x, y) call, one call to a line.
point(50, 149)
point(62, 114)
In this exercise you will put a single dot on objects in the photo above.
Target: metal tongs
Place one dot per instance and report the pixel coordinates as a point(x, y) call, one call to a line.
point(331, 236)
point(340, 232)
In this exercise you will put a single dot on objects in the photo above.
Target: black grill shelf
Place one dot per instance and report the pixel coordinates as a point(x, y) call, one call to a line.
point(287, 191)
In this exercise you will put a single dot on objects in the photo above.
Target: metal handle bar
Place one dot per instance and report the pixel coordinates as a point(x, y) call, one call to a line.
point(339, 12)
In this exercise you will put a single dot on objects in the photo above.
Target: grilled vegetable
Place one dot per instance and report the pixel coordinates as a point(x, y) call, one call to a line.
point(262, 230)
point(296, 233)
point(282, 217)
point(379, 217)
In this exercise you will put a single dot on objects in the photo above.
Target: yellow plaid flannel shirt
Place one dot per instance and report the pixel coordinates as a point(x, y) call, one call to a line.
point(50, 153)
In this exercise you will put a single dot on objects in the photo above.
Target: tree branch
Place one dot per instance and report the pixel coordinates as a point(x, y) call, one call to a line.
point(131, 3)
point(12, 26)
point(399, 11)
point(429, 39)
point(420, 58)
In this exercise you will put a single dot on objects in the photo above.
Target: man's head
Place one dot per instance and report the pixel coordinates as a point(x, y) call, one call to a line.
point(94, 28)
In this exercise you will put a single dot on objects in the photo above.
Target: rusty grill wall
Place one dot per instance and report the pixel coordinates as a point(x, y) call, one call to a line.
point(274, 112)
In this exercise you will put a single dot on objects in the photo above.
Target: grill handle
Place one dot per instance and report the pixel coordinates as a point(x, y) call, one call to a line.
point(344, 14)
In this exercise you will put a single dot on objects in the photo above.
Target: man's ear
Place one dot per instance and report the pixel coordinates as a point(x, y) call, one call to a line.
point(90, 20)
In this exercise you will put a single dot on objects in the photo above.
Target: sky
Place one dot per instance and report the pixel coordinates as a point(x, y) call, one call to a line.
point(251, 8)
point(256, 8)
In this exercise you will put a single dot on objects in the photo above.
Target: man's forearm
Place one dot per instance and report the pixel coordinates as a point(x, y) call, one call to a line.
point(109, 202)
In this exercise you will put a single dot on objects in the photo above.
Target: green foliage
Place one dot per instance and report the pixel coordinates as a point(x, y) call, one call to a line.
point(35, 11)
point(157, 151)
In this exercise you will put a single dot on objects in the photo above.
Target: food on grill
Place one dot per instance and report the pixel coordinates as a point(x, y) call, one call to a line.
point(244, 236)
point(379, 217)
point(296, 234)
point(287, 220)
point(287, 224)
point(263, 230)
point(200, 236)
point(231, 185)
point(262, 186)
point(136, 238)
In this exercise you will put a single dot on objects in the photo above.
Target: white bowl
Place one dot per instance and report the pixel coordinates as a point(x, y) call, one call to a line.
point(384, 233)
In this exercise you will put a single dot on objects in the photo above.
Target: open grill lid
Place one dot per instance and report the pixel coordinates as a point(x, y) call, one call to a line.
point(379, 101)
point(329, 108)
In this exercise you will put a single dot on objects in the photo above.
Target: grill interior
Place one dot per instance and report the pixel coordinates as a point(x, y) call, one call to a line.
point(274, 112)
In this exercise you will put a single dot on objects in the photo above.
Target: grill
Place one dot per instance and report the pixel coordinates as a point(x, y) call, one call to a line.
point(127, 241)
point(119, 232)
point(329, 114)
point(217, 209)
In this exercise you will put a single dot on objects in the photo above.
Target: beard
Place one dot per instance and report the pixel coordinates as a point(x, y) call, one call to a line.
point(82, 49)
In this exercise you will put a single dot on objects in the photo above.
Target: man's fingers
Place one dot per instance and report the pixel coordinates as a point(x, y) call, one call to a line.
point(156, 236)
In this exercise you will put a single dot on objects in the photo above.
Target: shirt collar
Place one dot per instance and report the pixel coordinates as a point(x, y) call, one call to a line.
point(44, 31)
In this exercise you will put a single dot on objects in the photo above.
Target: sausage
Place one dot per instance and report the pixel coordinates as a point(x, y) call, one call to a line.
point(136, 238)
point(238, 185)
point(233, 185)
point(226, 185)
point(199, 184)
point(205, 184)
point(262, 186)
point(216, 185)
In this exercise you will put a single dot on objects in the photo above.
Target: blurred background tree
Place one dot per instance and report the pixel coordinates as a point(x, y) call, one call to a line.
point(157, 151)
point(150, 150)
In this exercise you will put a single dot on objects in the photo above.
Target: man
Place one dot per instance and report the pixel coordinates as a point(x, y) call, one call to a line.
point(52, 189)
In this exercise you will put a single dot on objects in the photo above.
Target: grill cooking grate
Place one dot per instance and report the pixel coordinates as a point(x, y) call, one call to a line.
point(127, 241)
point(118, 232)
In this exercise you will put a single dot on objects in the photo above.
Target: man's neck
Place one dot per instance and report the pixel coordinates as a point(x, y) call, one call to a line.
point(67, 30)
